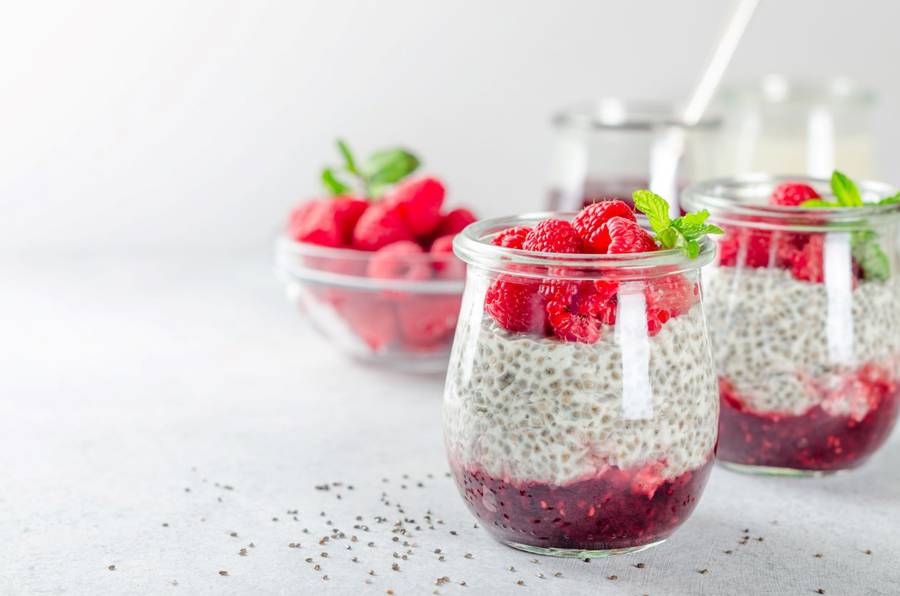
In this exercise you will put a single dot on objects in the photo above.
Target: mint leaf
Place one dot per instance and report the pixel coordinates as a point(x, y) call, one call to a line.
point(845, 190)
point(820, 203)
point(684, 232)
point(654, 207)
point(890, 200)
point(332, 184)
point(389, 166)
point(349, 161)
point(865, 249)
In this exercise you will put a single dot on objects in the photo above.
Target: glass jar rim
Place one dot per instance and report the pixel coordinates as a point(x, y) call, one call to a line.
point(727, 200)
point(781, 89)
point(472, 245)
point(625, 114)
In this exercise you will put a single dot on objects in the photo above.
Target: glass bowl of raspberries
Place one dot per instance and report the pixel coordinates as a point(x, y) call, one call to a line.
point(371, 267)
point(804, 314)
point(581, 404)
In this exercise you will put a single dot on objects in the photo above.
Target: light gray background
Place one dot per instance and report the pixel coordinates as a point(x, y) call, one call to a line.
point(198, 123)
point(148, 152)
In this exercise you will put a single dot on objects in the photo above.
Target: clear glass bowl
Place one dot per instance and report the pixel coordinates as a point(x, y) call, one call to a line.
point(806, 340)
point(403, 324)
point(595, 444)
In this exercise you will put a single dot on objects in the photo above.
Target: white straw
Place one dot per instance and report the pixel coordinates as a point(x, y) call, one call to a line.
point(669, 145)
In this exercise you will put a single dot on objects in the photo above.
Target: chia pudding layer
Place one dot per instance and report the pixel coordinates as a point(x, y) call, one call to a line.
point(783, 346)
point(539, 410)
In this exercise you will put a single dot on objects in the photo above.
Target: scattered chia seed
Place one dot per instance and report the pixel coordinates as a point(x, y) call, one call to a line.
point(820, 591)
point(452, 532)
point(612, 578)
point(469, 556)
point(818, 555)
point(317, 567)
point(112, 567)
point(511, 568)
point(355, 559)
point(728, 552)
point(558, 574)
point(243, 552)
point(521, 582)
point(639, 565)
point(223, 573)
point(371, 572)
point(325, 578)
point(867, 552)
point(541, 575)
point(308, 559)
point(441, 581)
point(395, 566)
point(165, 525)
point(703, 571)
point(232, 534)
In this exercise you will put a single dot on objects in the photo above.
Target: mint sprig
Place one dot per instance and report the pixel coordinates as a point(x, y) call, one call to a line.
point(683, 232)
point(863, 243)
point(372, 176)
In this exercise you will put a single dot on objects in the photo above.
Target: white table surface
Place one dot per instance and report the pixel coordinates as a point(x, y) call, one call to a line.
point(151, 406)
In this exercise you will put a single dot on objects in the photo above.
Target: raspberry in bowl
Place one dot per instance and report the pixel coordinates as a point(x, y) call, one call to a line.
point(581, 407)
point(372, 266)
point(805, 321)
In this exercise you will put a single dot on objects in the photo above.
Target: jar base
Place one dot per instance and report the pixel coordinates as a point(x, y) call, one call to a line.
point(575, 553)
point(774, 470)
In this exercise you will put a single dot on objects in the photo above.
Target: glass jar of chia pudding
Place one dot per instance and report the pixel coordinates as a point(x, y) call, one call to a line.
point(802, 303)
point(596, 440)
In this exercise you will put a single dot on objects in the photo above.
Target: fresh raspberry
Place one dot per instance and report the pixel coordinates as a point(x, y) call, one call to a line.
point(791, 194)
point(454, 222)
point(516, 305)
point(428, 322)
point(668, 297)
point(399, 260)
point(759, 248)
point(448, 267)
point(418, 201)
point(373, 321)
point(576, 309)
point(511, 237)
point(379, 226)
point(553, 235)
point(808, 263)
point(327, 222)
point(625, 236)
point(589, 223)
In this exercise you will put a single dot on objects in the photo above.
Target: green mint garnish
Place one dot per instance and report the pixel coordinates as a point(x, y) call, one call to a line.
point(684, 232)
point(863, 243)
point(373, 176)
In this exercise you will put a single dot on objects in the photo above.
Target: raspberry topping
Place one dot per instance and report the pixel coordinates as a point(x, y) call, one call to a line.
point(554, 236)
point(327, 222)
point(576, 310)
point(792, 194)
point(454, 222)
point(511, 237)
point(668, 297)
point(808, 263)
point(418, 202)
point(399, 261)
point(589, 223)
point(625, 236)
point(516, 305)
point(379, 226)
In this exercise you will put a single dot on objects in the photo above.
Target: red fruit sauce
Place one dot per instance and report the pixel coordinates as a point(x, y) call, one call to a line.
point(617, 509)
point(814, 440)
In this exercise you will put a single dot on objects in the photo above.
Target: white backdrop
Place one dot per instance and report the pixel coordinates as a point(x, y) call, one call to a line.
point(196, 124)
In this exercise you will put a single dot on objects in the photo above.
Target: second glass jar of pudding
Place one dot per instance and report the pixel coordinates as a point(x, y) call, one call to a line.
point(805, 321)
point(586, 437)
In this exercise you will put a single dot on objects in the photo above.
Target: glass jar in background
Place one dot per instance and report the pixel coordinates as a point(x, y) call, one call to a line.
point(781, 125)
point(605, 149)
point(803, 311)
point(596, 443)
